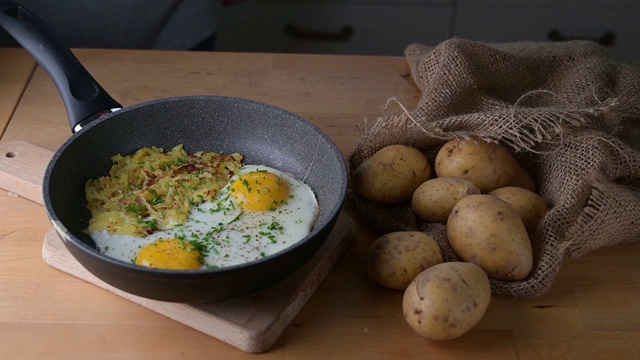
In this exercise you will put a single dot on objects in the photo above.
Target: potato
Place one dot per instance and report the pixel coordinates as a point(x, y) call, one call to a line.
point(391, 175)
point(395, 259)
point(488, 165)
point(446, 300)
point(522, 179)
point(530, 206)
point(488, 232)
point(433, 200)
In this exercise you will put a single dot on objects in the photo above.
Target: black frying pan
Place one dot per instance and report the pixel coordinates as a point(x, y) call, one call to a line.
point(264, 134)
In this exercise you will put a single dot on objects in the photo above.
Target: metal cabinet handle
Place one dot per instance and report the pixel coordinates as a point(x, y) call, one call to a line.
point(608, 39)
point(299, 34)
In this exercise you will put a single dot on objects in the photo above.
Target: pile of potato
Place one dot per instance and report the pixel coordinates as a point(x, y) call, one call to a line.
point(489, 205)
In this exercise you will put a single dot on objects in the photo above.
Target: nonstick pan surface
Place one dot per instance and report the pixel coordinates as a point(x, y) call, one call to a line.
point(264, 134)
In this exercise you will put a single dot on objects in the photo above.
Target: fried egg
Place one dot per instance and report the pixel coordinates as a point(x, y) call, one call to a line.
point(260, 212)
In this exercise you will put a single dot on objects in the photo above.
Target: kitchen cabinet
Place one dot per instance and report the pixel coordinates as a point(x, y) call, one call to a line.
point(612, 23)
point(385, 27)
point(366, 27)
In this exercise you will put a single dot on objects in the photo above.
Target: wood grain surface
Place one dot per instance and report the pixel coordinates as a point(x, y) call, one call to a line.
point(22, 168)
point(251, 323)
point(592, 311)
point(16, 68)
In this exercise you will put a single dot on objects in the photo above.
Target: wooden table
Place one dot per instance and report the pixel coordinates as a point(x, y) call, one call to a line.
point(593, 311)
point(16, 68)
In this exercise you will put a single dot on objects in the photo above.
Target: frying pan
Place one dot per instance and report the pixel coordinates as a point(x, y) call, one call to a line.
point(264, 134)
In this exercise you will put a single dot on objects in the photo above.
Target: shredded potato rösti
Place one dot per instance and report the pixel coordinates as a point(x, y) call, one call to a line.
point(152, 190)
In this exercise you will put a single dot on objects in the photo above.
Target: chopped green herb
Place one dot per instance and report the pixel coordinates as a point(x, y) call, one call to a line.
point(135, 208)
point(151, 224)
point(236, 218)
point(276, 226)
point(246, 184)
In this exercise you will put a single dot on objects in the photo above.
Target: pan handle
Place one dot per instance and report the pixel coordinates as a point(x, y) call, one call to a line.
point(83, 97)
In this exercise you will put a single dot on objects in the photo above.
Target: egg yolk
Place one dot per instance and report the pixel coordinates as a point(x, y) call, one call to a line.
point(171, 254)
point(260, 191)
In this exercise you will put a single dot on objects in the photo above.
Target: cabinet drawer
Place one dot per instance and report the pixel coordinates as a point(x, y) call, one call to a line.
point(332, 28)
point(616, 27)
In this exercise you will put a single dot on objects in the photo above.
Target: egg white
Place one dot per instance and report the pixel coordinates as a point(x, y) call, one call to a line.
point(234, 236)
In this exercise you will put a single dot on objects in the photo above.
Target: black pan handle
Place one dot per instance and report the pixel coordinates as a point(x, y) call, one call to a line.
point(83, 97)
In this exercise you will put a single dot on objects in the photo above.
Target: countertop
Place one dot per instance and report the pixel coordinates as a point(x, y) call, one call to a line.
point(591, 312)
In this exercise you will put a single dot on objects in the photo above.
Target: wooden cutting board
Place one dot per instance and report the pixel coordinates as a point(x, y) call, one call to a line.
point(252, 323)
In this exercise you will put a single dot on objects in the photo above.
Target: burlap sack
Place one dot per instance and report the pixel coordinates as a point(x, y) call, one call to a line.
point(569, 112)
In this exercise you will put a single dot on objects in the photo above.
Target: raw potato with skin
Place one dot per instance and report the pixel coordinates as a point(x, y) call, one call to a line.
point(488, 165)
point(433, 200)
point(391, 175)
point(395, 259)
point(529, 205)
point(446, 300)
point(488, 232)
